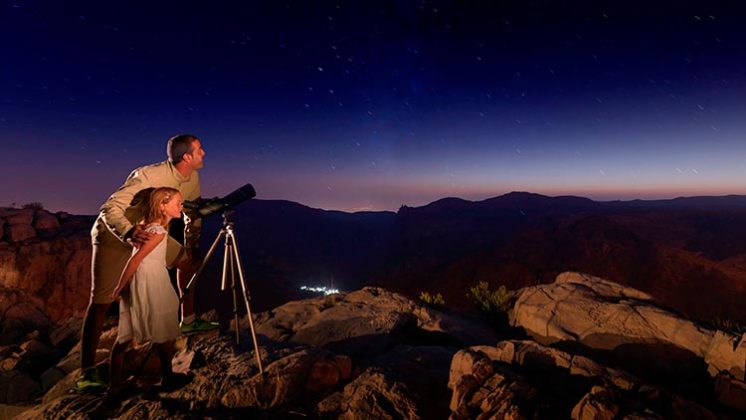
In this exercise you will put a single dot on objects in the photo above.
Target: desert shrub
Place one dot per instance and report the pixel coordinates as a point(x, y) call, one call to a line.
point(729, 326)
point(436, 300)
point(490, 302)
point(33, 205)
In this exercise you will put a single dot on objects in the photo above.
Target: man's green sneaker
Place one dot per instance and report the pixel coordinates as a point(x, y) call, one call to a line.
point(89, 381)
point(198, 325)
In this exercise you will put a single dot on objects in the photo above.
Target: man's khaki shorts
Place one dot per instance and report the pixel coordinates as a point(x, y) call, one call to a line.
point(110, 255)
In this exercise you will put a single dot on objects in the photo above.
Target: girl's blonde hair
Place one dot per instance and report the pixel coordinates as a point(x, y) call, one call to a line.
point(159, 196)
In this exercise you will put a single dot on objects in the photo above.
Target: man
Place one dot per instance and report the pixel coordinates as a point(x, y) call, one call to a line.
point(116, 231)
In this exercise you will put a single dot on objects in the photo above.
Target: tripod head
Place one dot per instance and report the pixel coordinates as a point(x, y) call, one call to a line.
point(226, 217)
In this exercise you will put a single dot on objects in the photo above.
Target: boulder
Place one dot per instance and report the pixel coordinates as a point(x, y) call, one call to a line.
point(65, 336)
point(55, 272)
point(365, 323)
point(371, 395)
point(287, 379)
point(17, 387)
point(19, 232)
point(531, 379)
point(44, 220)
point(731, 392)
point(37, 357)
point(727, 353)
point(602, 315)
point(19, 216)
point(598, 404)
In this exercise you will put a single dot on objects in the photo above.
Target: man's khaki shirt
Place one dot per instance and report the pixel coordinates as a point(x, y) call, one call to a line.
point(129, 204)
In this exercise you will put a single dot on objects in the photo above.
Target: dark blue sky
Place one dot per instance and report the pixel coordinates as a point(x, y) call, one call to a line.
point(370, 105)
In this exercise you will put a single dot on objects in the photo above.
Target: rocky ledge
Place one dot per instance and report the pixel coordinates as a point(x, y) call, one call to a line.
point(47, 256)
point(376, 354)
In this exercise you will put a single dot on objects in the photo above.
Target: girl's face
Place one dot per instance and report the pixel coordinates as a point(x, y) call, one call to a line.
point(173, 208)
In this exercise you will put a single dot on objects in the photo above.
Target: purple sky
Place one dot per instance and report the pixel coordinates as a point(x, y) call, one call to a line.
point(371, 105)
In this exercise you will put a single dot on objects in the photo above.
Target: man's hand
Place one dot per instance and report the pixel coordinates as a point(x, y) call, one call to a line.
point(138, 236)
point(195, 257)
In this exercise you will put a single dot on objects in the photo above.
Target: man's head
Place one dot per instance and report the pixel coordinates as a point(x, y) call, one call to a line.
point(185, 150)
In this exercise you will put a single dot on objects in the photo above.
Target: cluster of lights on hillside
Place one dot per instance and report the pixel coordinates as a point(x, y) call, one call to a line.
point(321, 289)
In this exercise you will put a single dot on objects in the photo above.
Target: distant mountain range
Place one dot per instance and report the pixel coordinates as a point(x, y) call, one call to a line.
point(688, 252)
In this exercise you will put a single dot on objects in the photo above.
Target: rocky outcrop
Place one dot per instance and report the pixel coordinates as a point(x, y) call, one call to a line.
point(367, 322)
point(372, 353)
point(523, 379)
point(602, 315)
point(20, 313)
point(48, 258)
point(317, 359)
point(28, 369)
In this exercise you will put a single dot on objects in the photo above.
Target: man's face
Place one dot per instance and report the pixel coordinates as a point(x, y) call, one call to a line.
point(196, 155)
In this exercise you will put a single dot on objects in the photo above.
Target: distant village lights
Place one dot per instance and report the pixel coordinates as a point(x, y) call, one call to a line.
point(323, 289)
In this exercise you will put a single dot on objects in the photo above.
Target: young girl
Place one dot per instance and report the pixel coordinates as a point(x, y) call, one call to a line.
point(149, 310)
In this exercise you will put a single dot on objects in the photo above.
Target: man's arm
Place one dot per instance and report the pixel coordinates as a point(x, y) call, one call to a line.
point(112, 211)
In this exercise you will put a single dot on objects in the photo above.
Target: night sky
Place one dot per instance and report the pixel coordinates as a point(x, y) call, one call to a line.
point(356, 105)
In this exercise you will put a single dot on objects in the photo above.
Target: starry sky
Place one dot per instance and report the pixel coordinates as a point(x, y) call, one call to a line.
point(368, 105)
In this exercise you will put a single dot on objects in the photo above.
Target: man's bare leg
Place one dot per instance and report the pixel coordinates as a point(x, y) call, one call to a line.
point(189, 322)
point(183, 275)
point(90, 336)
point(92, 325)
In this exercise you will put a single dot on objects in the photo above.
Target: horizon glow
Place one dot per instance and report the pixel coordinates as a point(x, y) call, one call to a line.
point(415, 103)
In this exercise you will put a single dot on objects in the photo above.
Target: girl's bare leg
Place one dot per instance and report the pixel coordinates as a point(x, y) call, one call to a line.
point(166, 354)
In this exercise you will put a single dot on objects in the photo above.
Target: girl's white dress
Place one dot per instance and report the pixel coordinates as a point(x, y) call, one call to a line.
point(150, 311)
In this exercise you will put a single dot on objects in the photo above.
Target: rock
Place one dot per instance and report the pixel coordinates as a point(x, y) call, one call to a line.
point(731, 392)
point(371, 395)
point(19, 316)
point(462, 391)
point(66, 335)
point(37, 357)
point(53, 271)
point(364, 323)
point(51, 376)
point(17, 387)
point(600, 392)
point(598, 404)
point(326, 373)
point(31, 316)
point(10, 362)
point(19, 216)
point(286, 380)
point(45, 221)
point(12, 330)
point(462, 365)
point(483, 389)
point(407, 382)
point(533, 355)
point(19, 232)
point(727, 353)
point(603, 315)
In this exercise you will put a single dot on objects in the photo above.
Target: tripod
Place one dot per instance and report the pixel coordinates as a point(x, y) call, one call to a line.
point(231, 261)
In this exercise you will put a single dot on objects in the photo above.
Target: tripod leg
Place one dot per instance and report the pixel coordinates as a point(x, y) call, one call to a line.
point(235, 297)
point(188, 287)
point(246, 301)
point(225, 263)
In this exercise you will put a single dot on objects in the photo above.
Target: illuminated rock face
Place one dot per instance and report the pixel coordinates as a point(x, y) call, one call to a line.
point(625, 322)
point(372, 353)
point(53, 265)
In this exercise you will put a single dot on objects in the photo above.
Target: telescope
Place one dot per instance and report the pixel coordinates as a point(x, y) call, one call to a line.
point(208, 207)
